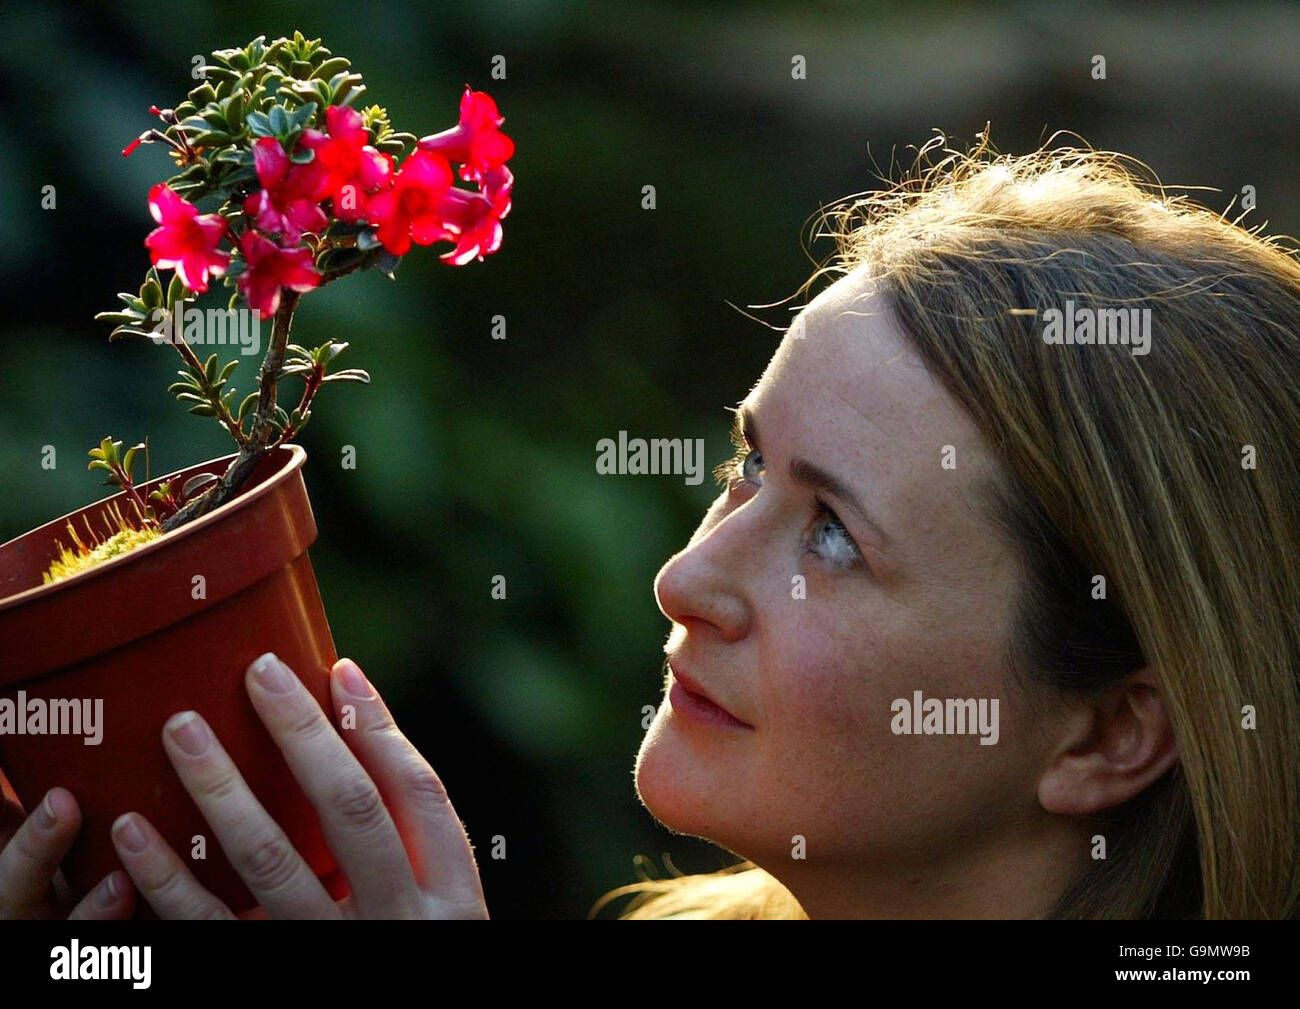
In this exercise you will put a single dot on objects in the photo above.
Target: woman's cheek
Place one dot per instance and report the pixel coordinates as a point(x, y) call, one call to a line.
point(824, 678)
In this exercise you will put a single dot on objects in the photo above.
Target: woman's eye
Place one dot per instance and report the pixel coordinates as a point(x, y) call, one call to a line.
point(751, 467)
point(829, 540)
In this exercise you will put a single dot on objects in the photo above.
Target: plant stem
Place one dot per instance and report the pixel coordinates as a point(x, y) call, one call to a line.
point(336, 274)
point(313, 383)
point(258, 441)
point(259, 435)
point(141, 509)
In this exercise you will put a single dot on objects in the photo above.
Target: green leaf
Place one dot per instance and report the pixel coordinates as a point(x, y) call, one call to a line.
point(129, 461)
point(203, 410)
point(204, 94)
point(303, 115)
point(246, 406)
point(227, 370)
point(211, 138)
point(196, 483)
point(210, 369)
point(331, 67)
point(121, 318)
point(279, 120)
point(175, 291)
point(110, 452)
point(387, 263)
point(152, 293)
point(260, 124)
point(349, 375)
point(345, 229)
point(216, 73)
point(368, 239)
point(127, 332)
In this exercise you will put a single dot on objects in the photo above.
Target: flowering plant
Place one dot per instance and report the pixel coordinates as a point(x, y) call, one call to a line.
point(282, 187)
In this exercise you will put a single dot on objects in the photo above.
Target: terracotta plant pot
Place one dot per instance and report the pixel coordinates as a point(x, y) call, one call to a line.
point(169, 626)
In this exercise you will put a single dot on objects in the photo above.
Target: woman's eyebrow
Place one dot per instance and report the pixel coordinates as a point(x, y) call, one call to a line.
point(811, 476)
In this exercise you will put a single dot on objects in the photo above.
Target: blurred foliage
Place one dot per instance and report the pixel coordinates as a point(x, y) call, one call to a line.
point(475, 456)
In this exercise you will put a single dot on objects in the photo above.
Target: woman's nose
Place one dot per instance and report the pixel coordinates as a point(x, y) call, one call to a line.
point(695, 587)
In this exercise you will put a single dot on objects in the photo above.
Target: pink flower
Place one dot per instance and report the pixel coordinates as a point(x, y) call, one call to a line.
point(270, 268)
point(412, 207)
point(348, 167)
point(186, 239)
point(469, 220)
point(476, 143)
point(286, 203)
point(497, 184)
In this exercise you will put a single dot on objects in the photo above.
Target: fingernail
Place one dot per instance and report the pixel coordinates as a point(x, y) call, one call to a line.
point(128, 834)
point(109, 891)
point(273, 674)
point(354, 680)
point(189, 732)
point(47, 817)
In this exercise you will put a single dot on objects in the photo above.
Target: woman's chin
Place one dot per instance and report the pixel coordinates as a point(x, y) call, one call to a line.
point(676, 782)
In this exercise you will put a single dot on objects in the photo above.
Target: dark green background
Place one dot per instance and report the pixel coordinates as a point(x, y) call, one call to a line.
point(477, 457)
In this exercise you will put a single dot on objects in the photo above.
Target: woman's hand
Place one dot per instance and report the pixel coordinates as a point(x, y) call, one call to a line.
point(31, 848)
point(370, 792)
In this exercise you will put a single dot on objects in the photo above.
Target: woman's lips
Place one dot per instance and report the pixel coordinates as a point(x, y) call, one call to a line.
point(689, 701)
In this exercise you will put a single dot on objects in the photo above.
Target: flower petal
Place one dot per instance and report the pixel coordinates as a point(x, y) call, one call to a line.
point(166, 207)
point(376, 168)
point(271, 162)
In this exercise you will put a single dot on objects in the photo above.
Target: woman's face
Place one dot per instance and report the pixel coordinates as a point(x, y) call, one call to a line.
point(806, 620)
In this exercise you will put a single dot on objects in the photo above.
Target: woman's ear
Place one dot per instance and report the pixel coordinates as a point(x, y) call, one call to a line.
point(1113, 746)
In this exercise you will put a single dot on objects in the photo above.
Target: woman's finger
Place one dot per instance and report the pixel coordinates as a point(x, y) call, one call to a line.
point(30, 859)
point(113, 898)
point(435, 838)
point(159, 874)
point(356, 823)
point(257, 848)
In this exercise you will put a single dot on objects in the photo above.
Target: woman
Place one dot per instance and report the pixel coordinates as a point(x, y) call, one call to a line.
point(996, 615)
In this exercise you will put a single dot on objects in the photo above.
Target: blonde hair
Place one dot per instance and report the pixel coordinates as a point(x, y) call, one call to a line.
point(740, 891)
point(1129, 467)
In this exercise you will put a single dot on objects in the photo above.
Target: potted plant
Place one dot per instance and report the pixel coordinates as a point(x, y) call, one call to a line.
point(155, 600)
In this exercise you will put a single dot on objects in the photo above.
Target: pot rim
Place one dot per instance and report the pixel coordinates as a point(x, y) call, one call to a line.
point(297, 457)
